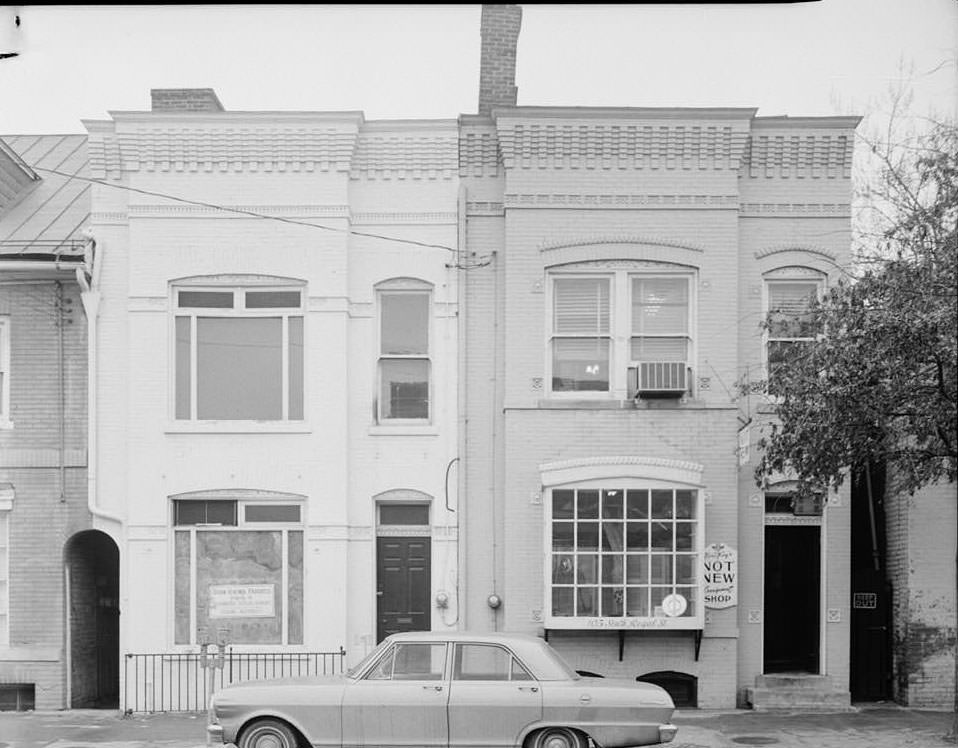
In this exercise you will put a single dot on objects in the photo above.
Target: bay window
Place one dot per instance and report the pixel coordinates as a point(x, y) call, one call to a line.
point(238, 353)
point(624, 555)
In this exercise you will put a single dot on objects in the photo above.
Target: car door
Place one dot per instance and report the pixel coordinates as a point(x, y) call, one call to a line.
point(492, 697)
point(401, 701)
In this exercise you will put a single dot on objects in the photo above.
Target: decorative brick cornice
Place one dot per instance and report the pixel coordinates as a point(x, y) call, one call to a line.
point(798, 155)
point(803, 248)
point(485, 209)
point(406, 155)
point(239, 148)
point(583, 241)
point(606, 145)
point(390, 219)
point(180, 210)
point(479, 153)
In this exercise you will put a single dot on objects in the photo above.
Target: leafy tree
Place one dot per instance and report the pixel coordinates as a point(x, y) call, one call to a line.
point(878, 384)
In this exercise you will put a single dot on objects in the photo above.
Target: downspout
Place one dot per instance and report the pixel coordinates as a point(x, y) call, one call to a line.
point(462, 506)
point(61, 395)
point(89, 279)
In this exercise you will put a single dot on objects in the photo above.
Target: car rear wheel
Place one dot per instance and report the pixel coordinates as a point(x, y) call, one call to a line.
point(557, 737)
point(268, 733)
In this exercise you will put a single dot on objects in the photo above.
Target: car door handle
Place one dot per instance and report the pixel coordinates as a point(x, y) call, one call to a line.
point(585, 698)
point(432, 688)
point(534, 689)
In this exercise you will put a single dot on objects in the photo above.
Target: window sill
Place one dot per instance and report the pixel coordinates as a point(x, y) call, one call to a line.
point(404, 429)
point(238, 427)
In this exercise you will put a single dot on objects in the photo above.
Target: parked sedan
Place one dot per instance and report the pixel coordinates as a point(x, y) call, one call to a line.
point(456, 690)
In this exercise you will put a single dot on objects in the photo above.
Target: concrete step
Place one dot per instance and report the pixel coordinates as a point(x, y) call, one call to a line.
point(798, 699)
point(794, 680)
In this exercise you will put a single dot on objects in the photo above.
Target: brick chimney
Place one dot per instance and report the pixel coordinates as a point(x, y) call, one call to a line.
point(185, 100)
point(499, 28)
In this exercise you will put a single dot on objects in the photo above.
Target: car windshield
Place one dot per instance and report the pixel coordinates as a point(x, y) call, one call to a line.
point(358, 668)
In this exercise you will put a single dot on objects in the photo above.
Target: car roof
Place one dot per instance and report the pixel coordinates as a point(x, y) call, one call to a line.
point(498, 637)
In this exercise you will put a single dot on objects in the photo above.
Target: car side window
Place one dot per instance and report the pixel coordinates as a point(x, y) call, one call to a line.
point(411, 661)
point(487, 662)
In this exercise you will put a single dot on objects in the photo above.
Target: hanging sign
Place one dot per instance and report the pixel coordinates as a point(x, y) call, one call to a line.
point(242, 601)
point(721, 576)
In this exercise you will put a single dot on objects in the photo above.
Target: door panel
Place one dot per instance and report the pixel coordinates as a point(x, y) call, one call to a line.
point(395, 713)
point(792, 590)
point(402, 584)
point(483, 714)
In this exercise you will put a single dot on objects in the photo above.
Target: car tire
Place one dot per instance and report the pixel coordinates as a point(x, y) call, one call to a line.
point(268, 733)
point(557, 737)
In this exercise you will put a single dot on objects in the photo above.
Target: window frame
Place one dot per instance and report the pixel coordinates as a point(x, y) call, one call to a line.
point(241, 524)
point(695, 620)
point(5, 515)
point(785, 276)
point(239, 310)
point(405, 287)
point(621, 331)
point(5, 346)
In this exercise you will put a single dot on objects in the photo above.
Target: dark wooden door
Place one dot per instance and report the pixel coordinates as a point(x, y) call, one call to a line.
point(792, 589)
point(402, 585)
point(870, 637)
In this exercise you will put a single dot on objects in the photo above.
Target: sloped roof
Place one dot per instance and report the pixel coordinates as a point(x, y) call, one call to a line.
point(46, 220)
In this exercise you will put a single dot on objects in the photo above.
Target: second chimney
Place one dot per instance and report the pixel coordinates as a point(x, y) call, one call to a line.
point(185, 100)
point(499, 28)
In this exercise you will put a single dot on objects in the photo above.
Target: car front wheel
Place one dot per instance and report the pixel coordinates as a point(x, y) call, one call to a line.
point(557, 737)
point(268, 733)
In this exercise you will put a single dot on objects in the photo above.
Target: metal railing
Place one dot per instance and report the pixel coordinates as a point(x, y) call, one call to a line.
point(180, 682)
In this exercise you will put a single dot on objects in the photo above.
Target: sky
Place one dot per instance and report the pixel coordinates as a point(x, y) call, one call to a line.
point(422, 61)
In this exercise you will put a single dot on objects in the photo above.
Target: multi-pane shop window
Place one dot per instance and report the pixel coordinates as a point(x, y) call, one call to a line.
point(605, 326)
point(623, 556)
point(792, 324)
point(238, 566)
point(4, 371)
point(239, 353)
point(404, 365)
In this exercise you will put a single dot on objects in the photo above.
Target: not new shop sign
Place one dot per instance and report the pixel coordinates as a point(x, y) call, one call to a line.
point(721, 576)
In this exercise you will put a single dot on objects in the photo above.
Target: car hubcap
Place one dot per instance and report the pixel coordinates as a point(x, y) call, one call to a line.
point(555, 740)
point(269, 740)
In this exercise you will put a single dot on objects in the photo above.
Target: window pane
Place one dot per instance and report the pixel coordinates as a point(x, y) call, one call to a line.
point(684, 536)
point(182, 355)
point(404, 323)
point(581, 305)
point(684, 504)
point(588, 504)
point(637, 536)
point(405, 388)
point(202, 512)
point(637, 569)
point(273, 299)
point(660, 306)
point(580, 365)
point(295, 368)
point(587, 536)
point(638, 505)
point(404, 514)
point(788, 304)
point(562, 569)
point(587, 569)
point(586, 601)
point(221, 512)
point(661, 504)
point(612, 569)
point(272, 513)
point(612, 601)
point(562, 534)
point(612, 536)
point(637, 601)
point(519, 672)
point(562, 503)
point(661, 569)
point(660, 349)
point(419, 661)
point(562, 601)
point(294, 593)
point(684, 568)
point(612, 504)
point(239, 368)
point(662, 539)
point(482, 662)
point(205, 299)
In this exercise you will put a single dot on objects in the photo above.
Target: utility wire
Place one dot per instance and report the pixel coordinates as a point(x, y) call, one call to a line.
point(250, 213)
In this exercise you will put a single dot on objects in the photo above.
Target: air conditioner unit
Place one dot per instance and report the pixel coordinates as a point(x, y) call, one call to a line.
point(658, 379)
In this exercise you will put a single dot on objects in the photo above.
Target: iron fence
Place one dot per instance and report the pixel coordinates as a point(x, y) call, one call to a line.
point(182, 682)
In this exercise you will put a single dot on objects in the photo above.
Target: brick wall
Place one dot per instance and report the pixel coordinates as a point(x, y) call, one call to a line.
point(185, 100)
point(499, 28)
point(49, 506)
